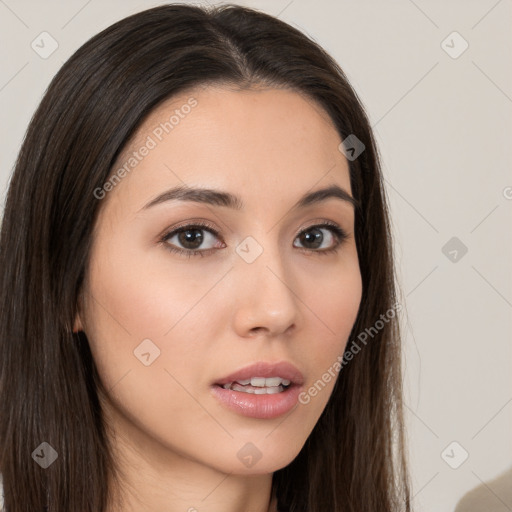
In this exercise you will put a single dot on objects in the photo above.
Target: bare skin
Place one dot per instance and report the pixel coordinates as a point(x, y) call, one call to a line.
point(209, 316)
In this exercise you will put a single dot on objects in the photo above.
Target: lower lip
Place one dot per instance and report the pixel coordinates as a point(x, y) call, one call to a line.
point(258, 406)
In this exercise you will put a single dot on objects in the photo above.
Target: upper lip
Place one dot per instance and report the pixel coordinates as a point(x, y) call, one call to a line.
point(282, 369)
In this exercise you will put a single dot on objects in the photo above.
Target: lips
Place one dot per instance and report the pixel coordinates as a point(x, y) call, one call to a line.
point(271, 404)
point(282, 369)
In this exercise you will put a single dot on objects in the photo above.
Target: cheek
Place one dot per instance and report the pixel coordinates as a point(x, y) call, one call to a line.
point(145, 292)
point(334, 307)
point(139, 303)
point(333, 298)
point(334, 310)
point(339, 302)
point(141, 326)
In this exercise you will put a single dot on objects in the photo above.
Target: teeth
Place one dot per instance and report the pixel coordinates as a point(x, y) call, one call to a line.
point(268, 385)
point(262, 382)
point(258, 381)
point(257, 391)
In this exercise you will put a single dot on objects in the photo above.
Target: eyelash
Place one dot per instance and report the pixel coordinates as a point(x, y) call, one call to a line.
point(339, 234)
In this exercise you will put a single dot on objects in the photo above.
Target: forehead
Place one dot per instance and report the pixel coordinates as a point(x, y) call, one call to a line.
point(226, 109)
point(258, 140)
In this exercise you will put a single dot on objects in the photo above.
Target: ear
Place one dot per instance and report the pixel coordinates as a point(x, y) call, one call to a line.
point(78, 326)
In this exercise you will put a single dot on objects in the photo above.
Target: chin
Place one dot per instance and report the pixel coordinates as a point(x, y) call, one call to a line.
point(260, 458)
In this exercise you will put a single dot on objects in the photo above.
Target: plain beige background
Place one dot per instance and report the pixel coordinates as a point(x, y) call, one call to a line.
point(442, 115)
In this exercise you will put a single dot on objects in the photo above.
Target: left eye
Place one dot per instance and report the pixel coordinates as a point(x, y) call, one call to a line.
point(314, 236)
point(191, 237)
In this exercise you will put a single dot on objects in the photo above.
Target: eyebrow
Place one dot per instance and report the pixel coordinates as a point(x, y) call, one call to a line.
point(229, 200)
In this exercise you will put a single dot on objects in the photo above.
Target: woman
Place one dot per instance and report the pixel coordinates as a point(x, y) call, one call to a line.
point(198, 299)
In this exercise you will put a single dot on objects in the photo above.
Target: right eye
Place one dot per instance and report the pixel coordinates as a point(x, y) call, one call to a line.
point(190, 237)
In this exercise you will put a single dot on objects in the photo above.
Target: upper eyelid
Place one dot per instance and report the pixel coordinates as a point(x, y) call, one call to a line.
point(199, 224)
point(190, 225)
point(322, 224)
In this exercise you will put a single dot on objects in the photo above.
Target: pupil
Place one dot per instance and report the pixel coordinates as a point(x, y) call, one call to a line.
point(186, 238)
point(315, 238)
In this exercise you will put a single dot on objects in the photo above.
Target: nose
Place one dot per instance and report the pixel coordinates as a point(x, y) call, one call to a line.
point(265, 301)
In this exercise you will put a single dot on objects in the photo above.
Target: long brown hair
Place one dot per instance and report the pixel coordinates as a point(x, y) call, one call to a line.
point(354, 460)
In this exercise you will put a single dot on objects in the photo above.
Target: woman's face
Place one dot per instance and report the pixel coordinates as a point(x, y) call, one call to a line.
point(165, 327)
